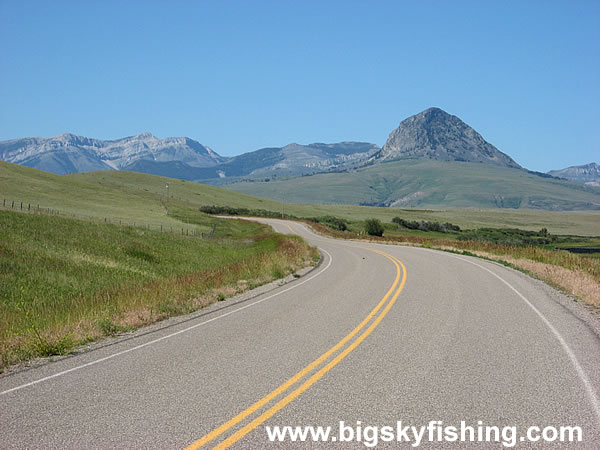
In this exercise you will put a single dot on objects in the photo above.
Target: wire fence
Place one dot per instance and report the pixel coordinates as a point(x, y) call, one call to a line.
point(33, 208)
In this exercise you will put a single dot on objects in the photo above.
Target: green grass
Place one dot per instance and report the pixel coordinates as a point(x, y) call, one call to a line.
point(65, 280)
point(135, 196)
point(429, 184)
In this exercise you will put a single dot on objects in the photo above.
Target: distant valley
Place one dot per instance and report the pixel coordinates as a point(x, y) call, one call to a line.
point(433, 159)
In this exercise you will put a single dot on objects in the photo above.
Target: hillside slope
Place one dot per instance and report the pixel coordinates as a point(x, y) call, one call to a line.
point(140, 197)
point(113, 194)
point(430, 184)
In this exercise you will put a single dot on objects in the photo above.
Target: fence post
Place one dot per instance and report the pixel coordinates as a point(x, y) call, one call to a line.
point(13, 204)
point(21, 206)
point(29, 207)
point(161, 227)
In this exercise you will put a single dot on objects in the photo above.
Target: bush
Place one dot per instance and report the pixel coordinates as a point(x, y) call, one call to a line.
point(373, 227)
point(230, 211)
point(333, 222)
point(509, 236)
point(426, 226)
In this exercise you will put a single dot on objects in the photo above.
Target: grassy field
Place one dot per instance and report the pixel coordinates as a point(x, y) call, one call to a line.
point(134, 196)
point(429, 184)
point(65, 281)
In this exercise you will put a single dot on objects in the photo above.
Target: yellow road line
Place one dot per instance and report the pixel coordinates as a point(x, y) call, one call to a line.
point(317, 376)
point(285, 386)
point(262, 402)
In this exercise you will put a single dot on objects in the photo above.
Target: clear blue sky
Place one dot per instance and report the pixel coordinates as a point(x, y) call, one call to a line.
point(241, 75)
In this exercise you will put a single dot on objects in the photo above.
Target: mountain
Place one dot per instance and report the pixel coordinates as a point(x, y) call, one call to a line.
point(296, 159)
point(588, 174)
point(291, 160)
point(435, 134)
point(68, 153)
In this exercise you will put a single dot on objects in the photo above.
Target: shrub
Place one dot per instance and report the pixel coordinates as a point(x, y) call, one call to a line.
point(425, 225)
point(373, 227)
point(230, 211)
point(333, 222)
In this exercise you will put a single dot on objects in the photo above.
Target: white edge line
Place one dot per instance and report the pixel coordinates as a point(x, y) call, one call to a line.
point(591, 394)
point(137, 347)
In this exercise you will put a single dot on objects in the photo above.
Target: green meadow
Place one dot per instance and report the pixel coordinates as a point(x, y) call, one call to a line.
point(135, 196)
point(67, 280)
point(428, 184)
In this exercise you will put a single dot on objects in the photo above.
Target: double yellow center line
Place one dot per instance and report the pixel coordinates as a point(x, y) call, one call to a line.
point(382, 308)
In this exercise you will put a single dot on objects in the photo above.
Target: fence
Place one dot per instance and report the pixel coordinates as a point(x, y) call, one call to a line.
point(27, 207)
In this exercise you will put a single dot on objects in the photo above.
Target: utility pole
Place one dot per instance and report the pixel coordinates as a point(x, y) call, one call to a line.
point(167, 199)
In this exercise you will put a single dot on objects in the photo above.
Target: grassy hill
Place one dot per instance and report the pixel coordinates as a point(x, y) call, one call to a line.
point(140, 197)
point(430, 184)
point(65, 281)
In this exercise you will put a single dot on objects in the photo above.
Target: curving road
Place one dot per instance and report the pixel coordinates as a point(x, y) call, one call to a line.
point(376, 334)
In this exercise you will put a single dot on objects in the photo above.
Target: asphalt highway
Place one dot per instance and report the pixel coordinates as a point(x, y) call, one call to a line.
point(374, 335)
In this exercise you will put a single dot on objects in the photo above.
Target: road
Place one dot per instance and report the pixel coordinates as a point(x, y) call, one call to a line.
point(376, 334)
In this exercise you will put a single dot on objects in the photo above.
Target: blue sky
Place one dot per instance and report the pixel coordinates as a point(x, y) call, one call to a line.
point(242, 75)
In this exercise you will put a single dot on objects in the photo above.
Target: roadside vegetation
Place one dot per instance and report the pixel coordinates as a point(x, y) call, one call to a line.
point(539, 253)
point(64, 282)
point(373, 227)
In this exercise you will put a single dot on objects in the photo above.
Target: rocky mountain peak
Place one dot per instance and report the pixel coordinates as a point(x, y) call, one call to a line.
point(587, 173)
point(435, 134)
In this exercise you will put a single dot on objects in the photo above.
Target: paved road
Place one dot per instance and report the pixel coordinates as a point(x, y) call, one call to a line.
point(375, 334)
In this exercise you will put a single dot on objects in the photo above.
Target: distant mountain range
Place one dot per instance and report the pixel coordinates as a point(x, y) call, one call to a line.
point(432, 134)
point(425, 148)
point(291, 160)
point(177, 157)
point(68, 153)
point(588, 174)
